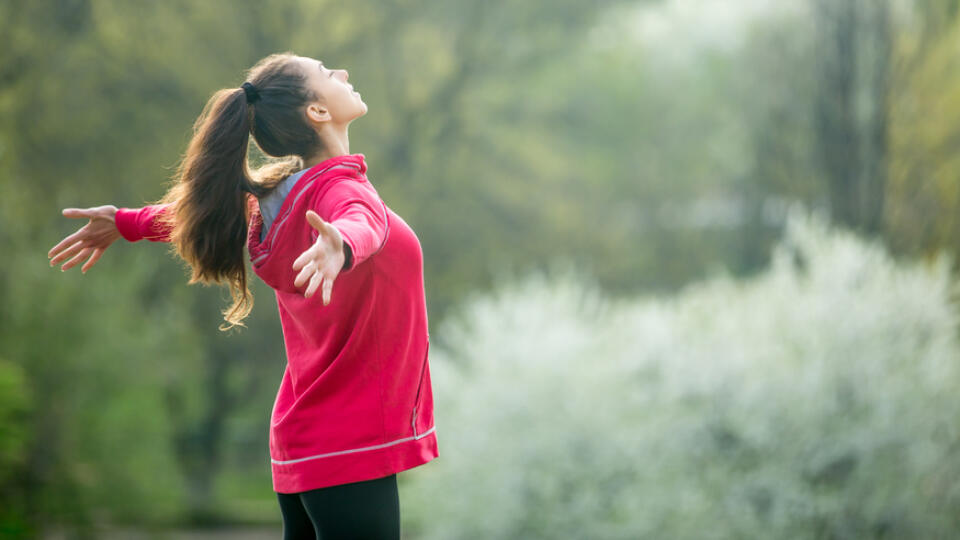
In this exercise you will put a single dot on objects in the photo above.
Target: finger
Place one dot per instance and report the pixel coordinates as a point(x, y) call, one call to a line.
point(304, 258)
point(327, 290)
point(307, 271)
point(314, 283)
point(67, 253)
point(68, 241)
point(76, 260)
point(315, 220)
point(88, 213)
point(97, 253)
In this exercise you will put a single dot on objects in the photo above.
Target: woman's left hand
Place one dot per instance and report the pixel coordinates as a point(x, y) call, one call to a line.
point(90, 241)
point(322, 261)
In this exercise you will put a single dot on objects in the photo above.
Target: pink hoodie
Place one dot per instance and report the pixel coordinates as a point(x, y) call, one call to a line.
point(355, 402)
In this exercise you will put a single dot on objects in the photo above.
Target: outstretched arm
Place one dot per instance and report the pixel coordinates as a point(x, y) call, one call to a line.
point(137, 224)
point(358, 213)
point(107, 224)
point(357, 228)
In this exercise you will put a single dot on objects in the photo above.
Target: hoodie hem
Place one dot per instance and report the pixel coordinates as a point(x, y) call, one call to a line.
point(357, 466)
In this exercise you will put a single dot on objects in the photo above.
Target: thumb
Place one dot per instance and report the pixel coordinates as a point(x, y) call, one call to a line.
point(87, 213)
point(315, 220)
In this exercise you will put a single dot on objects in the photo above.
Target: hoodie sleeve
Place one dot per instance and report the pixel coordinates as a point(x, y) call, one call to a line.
point(356, 210)
point(136, 224)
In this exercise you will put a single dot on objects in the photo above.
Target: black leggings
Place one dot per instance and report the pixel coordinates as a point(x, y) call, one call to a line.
point(362, 510)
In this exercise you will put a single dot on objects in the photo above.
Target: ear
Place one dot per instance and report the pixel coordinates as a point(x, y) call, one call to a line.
point(318, 113)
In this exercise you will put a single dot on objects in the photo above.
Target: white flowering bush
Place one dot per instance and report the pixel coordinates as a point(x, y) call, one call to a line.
point(820, 399)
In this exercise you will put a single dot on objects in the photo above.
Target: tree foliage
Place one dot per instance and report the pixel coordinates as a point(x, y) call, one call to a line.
point(512, 136)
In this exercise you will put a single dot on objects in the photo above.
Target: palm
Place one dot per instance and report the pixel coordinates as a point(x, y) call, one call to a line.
point(322, 261)
point(90, 241)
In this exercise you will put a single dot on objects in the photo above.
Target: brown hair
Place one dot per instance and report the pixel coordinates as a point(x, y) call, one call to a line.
point(213, 182)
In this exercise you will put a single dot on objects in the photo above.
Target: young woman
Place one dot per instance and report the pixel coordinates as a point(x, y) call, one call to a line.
point(355, 405)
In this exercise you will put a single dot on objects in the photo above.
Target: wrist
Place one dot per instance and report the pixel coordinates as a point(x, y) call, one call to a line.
point(347, 257)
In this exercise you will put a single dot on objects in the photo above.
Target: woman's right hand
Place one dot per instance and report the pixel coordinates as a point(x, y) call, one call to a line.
point(321, 262)
point(90, 241)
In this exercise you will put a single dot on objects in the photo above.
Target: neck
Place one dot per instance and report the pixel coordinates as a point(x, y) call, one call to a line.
point(334, 141)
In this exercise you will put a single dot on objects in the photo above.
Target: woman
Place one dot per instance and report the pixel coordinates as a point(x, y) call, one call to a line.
point(355, 405)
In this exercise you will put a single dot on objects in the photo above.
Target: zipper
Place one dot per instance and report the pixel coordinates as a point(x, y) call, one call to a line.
point(416, 400)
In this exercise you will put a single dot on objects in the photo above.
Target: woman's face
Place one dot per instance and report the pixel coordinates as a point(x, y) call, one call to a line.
point(338, 103)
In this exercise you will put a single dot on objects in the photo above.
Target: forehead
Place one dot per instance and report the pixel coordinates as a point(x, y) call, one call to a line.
point(312, 63)
point(311, 67)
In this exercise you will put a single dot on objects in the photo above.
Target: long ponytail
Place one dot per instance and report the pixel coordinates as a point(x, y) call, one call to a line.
point(213, 183)
point(209, 197)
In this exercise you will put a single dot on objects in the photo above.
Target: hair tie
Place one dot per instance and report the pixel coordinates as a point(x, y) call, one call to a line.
point(251, 92)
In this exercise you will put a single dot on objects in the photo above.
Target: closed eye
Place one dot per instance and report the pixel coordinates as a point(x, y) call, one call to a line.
point(321, 66)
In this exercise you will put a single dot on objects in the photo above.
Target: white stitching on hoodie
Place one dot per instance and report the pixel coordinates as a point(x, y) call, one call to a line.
point(363, 449)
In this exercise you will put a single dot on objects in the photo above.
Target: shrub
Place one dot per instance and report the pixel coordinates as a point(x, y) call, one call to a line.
point(816, 400)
